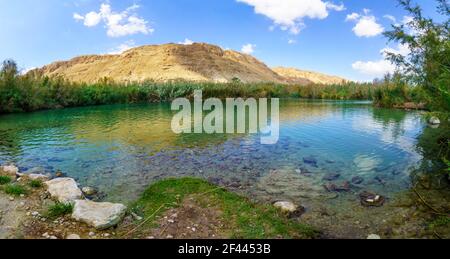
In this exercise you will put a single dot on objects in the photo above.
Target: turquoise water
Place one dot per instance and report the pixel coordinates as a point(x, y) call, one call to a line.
point(121, 149)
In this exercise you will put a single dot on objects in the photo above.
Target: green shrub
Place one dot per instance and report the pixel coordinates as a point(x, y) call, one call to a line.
point(36, 184)
point(4, 180)
point(14, 189)
point(59, 210)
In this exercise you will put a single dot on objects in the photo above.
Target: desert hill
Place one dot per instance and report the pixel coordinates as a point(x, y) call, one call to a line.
point(293, 74)
point(198, 62)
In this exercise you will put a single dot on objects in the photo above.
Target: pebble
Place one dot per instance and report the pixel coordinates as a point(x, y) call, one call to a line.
point(73, 236)
point(373, 236)
point(169, 237)
point(11, 198)
point(91, 234)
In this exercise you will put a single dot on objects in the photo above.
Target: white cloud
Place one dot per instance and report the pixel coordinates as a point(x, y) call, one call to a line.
point(92, 19)
point(291, 41)
point(118, 24)
point(374, 68)
point(78, 17)
point(383, 66)
point(366, 24)
point(288, 15)
point(186, 42)
point(335, 7)
point(248, 49)
point(390, 18)
point(123, 47)
point(353, 17)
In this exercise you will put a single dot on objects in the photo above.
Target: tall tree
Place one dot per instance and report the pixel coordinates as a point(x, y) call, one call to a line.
point(428, 64)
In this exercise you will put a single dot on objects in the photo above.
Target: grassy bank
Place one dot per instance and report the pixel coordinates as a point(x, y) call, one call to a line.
point(241, 218)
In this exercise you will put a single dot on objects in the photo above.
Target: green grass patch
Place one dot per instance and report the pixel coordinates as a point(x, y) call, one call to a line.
point(246, 220)
point(5, 179)
point(36, 184)
point(15, 189)
point(59, 209)
point(442, 221)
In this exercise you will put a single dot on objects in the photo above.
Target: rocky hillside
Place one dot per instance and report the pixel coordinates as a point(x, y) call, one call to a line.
point(196, 62)
point(293, 75)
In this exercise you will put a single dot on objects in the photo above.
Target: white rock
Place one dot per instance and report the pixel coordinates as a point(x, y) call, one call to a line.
point(73, 236)
point(434, 121)
point(64, 190)
point(10, 169)
point(373, 237)
point(101, 215)
point(286, 206)
point(39, 177)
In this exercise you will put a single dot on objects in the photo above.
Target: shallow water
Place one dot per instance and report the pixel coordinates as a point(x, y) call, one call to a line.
point(121, 149)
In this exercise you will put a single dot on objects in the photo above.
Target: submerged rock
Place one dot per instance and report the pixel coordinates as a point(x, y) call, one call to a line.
point(99, 215)
point(344, 187)
point(357, 180)
point(371, 200)
point(331, 177)
point(310, 161)
point(64, 189)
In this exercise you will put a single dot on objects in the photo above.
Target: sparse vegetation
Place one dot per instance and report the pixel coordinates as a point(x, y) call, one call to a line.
point(36, 184)
point(244, 218)
point(15, 189)
point(59, 209)
point(5, 179)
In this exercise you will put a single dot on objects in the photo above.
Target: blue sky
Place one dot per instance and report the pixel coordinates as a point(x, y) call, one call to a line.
point(339, 37)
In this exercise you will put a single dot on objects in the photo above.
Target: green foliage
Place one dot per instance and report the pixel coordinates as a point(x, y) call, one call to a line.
point(14, 189)
point(4, 179)
point(31, 92)
point(394, 91)
point(244, 218)
point(440, 222)
point(59, 209)
point(36, 184)
point(428, 64)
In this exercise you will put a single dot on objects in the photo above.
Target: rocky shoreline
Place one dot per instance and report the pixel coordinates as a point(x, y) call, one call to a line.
point(86, 214)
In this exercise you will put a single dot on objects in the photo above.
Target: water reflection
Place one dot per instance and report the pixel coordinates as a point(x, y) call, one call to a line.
point(121, 149)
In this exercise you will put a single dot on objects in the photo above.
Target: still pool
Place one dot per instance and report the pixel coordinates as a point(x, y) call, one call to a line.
point(121, 149)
